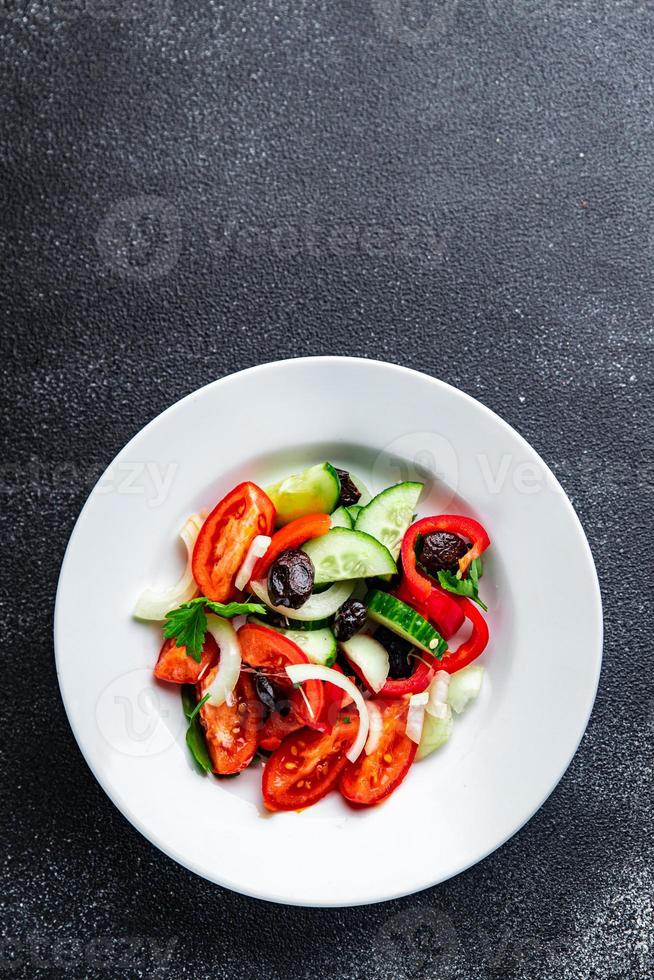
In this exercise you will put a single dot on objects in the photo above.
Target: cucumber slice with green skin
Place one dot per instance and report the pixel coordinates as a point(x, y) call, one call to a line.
point(316, 624)
point(318, 606)
point(353, 511)
point(319, 645)
point(370, 657)
point(388, 611)
point(389, 514)
point(342, 518)
point(344, 554)
point(299, 624)
point(314, 491)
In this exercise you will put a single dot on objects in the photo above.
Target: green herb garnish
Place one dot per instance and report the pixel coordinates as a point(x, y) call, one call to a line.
point(188, 699)
point(195, 736)
point(468, 587)
point(188, 623)
point(198, 706)
point(198, 746)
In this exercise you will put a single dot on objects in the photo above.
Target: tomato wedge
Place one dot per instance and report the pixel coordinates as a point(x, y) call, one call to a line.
point(334, 699)
point(372, 778)
point(225, 537)
point(292, 536)
point(270, 652)
point(174, 664)
point(307, 765)
point(278, 726)
point(231, 731)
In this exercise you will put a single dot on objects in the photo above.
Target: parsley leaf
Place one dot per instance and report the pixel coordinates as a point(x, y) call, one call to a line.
point(199, 705)
point(195, 739)
point(188, 699)
point(463, 586)
point(188, 623)
point(476, 570)
point(198, 746)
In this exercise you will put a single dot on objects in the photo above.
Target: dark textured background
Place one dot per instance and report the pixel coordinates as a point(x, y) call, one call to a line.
point(191, 188)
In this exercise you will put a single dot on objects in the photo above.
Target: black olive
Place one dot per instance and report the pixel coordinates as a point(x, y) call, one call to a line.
point(441, 551)
point(349, 492)
point(401, 665)
point(265, 691)
point(290, 579)
point(350, 618)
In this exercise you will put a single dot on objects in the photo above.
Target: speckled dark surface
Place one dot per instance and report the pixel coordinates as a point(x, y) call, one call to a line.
point(464, 187)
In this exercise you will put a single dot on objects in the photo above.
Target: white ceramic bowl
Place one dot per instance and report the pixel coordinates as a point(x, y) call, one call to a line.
point(508, 750)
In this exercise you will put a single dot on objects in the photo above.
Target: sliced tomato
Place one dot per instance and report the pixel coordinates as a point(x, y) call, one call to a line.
point(292, 536)
point(231, 731)
point(372, 778)
point(269, 651)
point(176, 666)
point(334, 698)
point(307, 765)
point(278, 726)
point(225, 537)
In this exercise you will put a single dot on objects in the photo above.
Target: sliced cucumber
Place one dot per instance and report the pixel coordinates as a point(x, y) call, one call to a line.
point(319, 645)
point(405, 621)
point(344, 554)
point(342, 518)
point(316, 607)
point(299, 624)
point(389, 514)
point(370, 657)
point(465, 686)
point(353, 511)
point(316, 624)
point(314, 491)
point(435, 732)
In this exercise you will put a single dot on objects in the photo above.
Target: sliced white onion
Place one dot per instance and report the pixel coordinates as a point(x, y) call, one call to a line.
point(437, 705)
point(376, 720)
point(317, 606)
point(416, 716)
point(257, 550)
point(465, 686)
point(229, 664)
point(314, 672)
point(153, 603)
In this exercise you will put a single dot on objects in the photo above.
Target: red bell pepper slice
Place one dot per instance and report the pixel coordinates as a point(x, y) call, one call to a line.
point(292, 536)
point(439, 606)
point(471, 648)
point(419, 584)
point(416, 683)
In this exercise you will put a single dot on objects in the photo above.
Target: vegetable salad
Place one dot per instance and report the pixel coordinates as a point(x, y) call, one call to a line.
point(318, 628)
